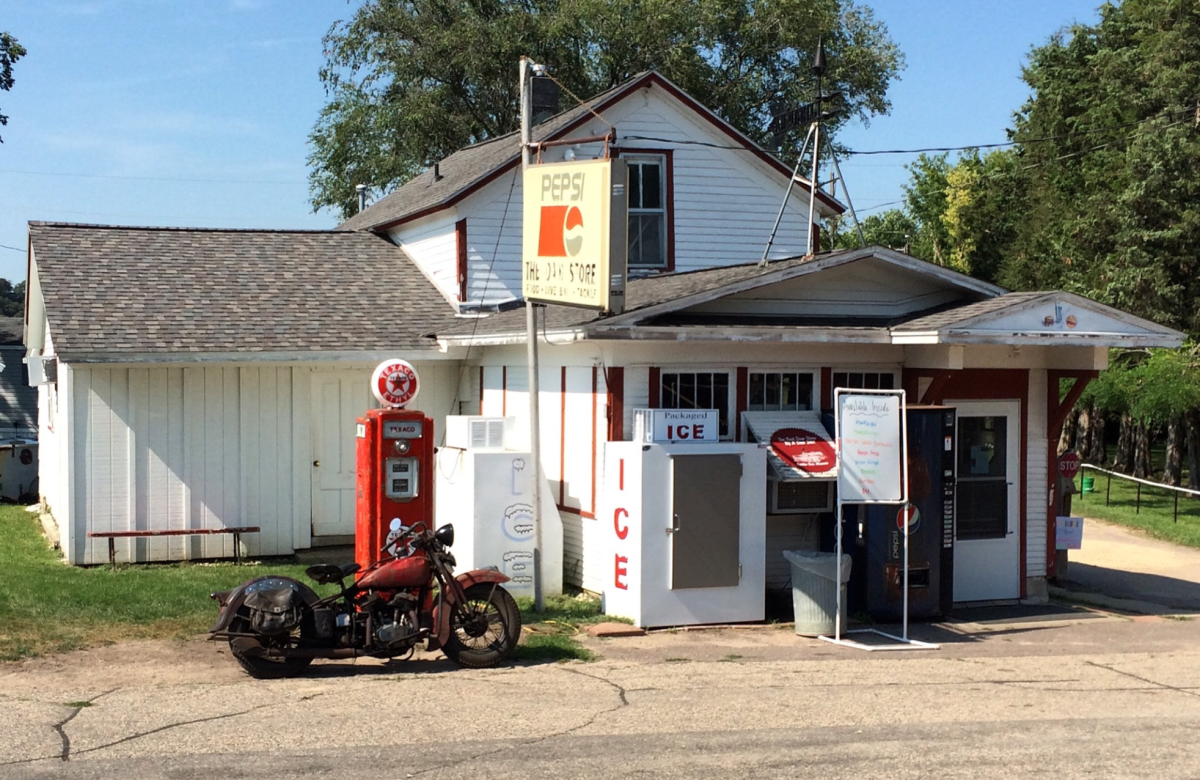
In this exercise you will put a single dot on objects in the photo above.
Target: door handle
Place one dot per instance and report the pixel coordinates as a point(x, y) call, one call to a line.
point(316, 464)
point(674, 528)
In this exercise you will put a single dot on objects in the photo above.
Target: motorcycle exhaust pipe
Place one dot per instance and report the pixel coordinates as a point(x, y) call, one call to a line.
point(252, 647)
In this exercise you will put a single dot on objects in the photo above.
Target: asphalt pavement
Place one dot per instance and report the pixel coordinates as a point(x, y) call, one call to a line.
point(1050, 691)
point(1088, 696)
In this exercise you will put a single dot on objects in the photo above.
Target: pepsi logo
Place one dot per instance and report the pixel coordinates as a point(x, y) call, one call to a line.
point(561, 231)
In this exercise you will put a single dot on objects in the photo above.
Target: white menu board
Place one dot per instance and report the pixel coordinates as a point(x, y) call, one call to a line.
point(870, 447)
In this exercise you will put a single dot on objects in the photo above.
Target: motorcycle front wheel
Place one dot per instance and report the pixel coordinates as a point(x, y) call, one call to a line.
point(485, 628)
point(262, 667)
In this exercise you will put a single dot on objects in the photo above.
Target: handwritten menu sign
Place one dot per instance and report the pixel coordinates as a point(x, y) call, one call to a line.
point(870, 448)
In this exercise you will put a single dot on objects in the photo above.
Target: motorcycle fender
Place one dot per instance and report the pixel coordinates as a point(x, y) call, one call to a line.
point(234, 599)
point(441, 611)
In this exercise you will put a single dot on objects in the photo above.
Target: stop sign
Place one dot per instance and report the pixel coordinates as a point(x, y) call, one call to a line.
point(1068, 465)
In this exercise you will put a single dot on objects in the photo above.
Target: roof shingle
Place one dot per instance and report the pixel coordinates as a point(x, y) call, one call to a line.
point(111, 290)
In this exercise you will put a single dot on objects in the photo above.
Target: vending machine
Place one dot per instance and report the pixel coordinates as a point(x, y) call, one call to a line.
point(929, 516)
point(394, 462)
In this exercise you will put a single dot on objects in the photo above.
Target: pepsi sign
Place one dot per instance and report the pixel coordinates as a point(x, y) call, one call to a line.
point(574, 245)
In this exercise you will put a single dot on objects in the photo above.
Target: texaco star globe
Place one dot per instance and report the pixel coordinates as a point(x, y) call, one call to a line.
point(395, 383)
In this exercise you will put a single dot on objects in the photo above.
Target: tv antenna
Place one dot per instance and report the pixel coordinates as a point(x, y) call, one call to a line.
point(785, 119)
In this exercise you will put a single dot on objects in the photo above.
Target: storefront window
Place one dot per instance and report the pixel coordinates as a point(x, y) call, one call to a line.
point(780, 392)
point(865, 380)
point(697, 390)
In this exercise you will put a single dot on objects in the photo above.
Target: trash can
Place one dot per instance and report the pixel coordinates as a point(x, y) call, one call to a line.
point(814, 598)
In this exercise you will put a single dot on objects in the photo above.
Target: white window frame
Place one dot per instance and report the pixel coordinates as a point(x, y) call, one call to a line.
point(661, 161)
point(730, 392)
point(814, 389)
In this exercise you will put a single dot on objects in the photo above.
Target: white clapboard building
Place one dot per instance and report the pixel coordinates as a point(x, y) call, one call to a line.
point(209, 378)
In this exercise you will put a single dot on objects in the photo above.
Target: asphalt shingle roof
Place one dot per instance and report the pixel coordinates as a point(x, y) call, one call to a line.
point(946, 319)
point(114, 290)
point(462, 171)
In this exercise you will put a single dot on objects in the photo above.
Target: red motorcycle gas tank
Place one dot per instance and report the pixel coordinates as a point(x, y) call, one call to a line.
point(410, 572)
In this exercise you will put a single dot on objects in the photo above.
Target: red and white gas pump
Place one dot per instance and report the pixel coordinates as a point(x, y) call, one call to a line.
point(395, 464)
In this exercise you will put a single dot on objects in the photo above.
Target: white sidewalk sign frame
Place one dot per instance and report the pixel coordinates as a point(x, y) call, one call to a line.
point(892, 488)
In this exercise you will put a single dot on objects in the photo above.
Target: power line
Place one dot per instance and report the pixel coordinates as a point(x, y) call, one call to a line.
point(146, 178)
point(13, 248)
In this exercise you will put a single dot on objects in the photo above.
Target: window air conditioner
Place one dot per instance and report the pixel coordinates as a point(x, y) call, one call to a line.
point(804, 496)
point(466, 432)
point(43, 370)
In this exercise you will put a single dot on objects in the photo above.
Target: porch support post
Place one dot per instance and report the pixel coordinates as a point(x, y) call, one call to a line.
point(1056, 415)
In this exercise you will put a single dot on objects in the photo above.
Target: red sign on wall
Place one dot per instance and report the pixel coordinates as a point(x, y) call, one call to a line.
point(804, 450)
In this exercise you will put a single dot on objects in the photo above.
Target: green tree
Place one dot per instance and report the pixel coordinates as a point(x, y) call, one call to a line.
point(925, 201)
point(12, 299)
point(892, 228)
point(10, 52)
point(410, 81)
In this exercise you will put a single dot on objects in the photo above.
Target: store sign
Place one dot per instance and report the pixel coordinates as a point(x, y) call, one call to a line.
point(805, 450)
point(1068, 533)
point(574, 245)
point(869, 448)
point(676, 426)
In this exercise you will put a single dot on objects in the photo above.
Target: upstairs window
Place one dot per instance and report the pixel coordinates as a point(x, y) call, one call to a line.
point(648, 212)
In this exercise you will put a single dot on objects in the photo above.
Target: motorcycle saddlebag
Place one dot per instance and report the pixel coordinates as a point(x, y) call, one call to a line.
point(274, 610)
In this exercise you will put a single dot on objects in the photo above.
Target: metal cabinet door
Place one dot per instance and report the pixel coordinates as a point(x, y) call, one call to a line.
point(704, 537)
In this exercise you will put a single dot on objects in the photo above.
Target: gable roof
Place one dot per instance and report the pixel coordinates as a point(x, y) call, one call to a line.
point(472, 167)
point(121, 291)
point(1034, 318)
point(663, 295)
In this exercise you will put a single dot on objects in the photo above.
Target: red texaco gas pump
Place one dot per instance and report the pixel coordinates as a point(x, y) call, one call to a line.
point(394, 462)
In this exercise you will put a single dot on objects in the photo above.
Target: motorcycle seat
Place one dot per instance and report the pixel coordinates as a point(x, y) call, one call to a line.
point(326, 573)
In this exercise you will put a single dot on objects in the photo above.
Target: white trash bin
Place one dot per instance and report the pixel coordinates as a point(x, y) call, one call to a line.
point(814, 598)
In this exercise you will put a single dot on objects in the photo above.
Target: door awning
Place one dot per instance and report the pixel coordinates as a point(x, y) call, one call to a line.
point(799, 446)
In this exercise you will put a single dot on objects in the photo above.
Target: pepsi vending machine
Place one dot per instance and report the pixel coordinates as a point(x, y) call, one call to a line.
point(930, 518)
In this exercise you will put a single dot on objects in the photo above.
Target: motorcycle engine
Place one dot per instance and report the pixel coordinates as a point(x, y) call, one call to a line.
point(397, 631)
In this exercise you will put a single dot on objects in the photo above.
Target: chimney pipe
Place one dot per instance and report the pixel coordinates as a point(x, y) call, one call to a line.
point(361, 189)
point(437, 173)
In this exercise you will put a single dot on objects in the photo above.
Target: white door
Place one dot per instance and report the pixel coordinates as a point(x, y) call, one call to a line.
point(987, 538)
point(338, 399)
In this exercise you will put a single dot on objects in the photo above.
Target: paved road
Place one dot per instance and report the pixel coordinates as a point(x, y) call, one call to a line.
point(1103, 697)
point(1125, 564)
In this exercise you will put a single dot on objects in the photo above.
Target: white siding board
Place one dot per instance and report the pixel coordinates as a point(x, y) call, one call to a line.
point(1036, 486)
point(302, 448)
point(494, 240)
point(433, 244)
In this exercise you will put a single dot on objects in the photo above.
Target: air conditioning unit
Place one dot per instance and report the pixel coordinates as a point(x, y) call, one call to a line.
point(466, 432)
point(803, 496)
point(43, 370)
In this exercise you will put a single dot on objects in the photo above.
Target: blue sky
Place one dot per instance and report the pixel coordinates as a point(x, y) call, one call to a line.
point(197, 112)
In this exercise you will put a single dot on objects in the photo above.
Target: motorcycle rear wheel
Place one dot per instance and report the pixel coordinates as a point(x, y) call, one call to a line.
point(265, 668)
point(485, 628)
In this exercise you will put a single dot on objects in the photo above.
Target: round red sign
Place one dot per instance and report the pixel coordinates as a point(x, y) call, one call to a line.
point(803, 449)
point(395, 383)
point(1068, 465)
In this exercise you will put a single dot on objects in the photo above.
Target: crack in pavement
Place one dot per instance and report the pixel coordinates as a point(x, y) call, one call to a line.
point(66, 754)
point(623, 702)
point(1188, 691)
point(61, 726)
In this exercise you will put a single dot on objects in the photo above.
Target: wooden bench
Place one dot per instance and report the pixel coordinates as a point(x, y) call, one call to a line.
point(113, 536)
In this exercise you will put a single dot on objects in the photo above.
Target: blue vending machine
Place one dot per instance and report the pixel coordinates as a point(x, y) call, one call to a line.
point(930, 516)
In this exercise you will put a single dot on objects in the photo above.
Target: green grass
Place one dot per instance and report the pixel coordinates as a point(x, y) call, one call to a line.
point(550, 635)
point(1156, 516)
point(47, 606)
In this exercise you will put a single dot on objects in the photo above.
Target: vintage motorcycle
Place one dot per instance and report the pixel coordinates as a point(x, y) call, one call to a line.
point(276, 626)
